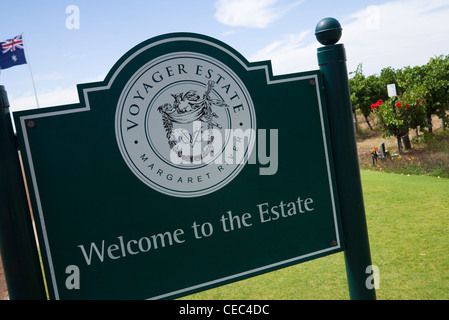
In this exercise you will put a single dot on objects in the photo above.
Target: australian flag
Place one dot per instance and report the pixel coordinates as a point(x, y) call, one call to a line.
point(12, 53)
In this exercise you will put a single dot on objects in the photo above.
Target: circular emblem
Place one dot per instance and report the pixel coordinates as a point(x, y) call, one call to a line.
point(185, 124)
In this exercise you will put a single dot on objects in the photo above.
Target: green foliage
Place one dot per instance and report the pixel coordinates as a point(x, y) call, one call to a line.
point(433, 86)
point(388, 120)
point(425, 89)
point(364, 90)
point(397, 117)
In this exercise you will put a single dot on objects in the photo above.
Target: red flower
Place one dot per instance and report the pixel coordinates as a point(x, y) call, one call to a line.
point(398, 104)
point(377, 104)
point(407, 106)
point(417, 101)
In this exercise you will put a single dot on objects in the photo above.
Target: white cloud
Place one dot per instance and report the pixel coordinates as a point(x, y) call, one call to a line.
point(396, 34)
point(250, 13)
point(55, 76)
point(290, 54)
point(60, 95)
point(57, 96)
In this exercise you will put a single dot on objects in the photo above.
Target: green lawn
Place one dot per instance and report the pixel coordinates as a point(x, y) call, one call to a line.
point(408, 223)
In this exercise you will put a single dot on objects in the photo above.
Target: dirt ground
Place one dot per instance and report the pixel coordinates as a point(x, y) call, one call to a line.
point(3, 290)
point(368, 139)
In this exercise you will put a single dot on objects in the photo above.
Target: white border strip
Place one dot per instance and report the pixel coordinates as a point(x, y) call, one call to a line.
point(86, 92)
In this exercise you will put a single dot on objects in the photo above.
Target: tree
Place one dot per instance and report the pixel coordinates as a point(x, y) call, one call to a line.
point(388, 76)
point(397, 118)
point(363, 91)
point(430, 85)
point(421, 92)
point(436, 84)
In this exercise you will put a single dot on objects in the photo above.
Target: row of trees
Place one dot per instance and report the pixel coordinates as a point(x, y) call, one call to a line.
point(422, 91)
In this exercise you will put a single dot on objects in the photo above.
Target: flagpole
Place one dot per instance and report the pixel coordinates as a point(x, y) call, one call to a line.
point(29, 68)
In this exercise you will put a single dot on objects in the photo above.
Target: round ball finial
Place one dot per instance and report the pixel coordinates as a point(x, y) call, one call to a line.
point(328, 31)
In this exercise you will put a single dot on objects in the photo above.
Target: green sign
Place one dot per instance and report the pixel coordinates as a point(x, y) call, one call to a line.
point(185, 169)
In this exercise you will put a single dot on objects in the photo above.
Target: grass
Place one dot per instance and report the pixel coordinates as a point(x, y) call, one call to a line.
point(408, 223)
point(408, 220)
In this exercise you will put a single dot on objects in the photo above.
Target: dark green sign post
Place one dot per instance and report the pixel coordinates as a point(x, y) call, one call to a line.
point(187, 168)
point(332, 61)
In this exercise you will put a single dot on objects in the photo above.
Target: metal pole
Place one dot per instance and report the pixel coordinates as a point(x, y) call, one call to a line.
point(17, 242)
point(332, 62)
point(31, 72)
point(398, 138)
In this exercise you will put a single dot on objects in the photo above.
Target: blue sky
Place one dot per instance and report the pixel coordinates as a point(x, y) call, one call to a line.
point(375, 33)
